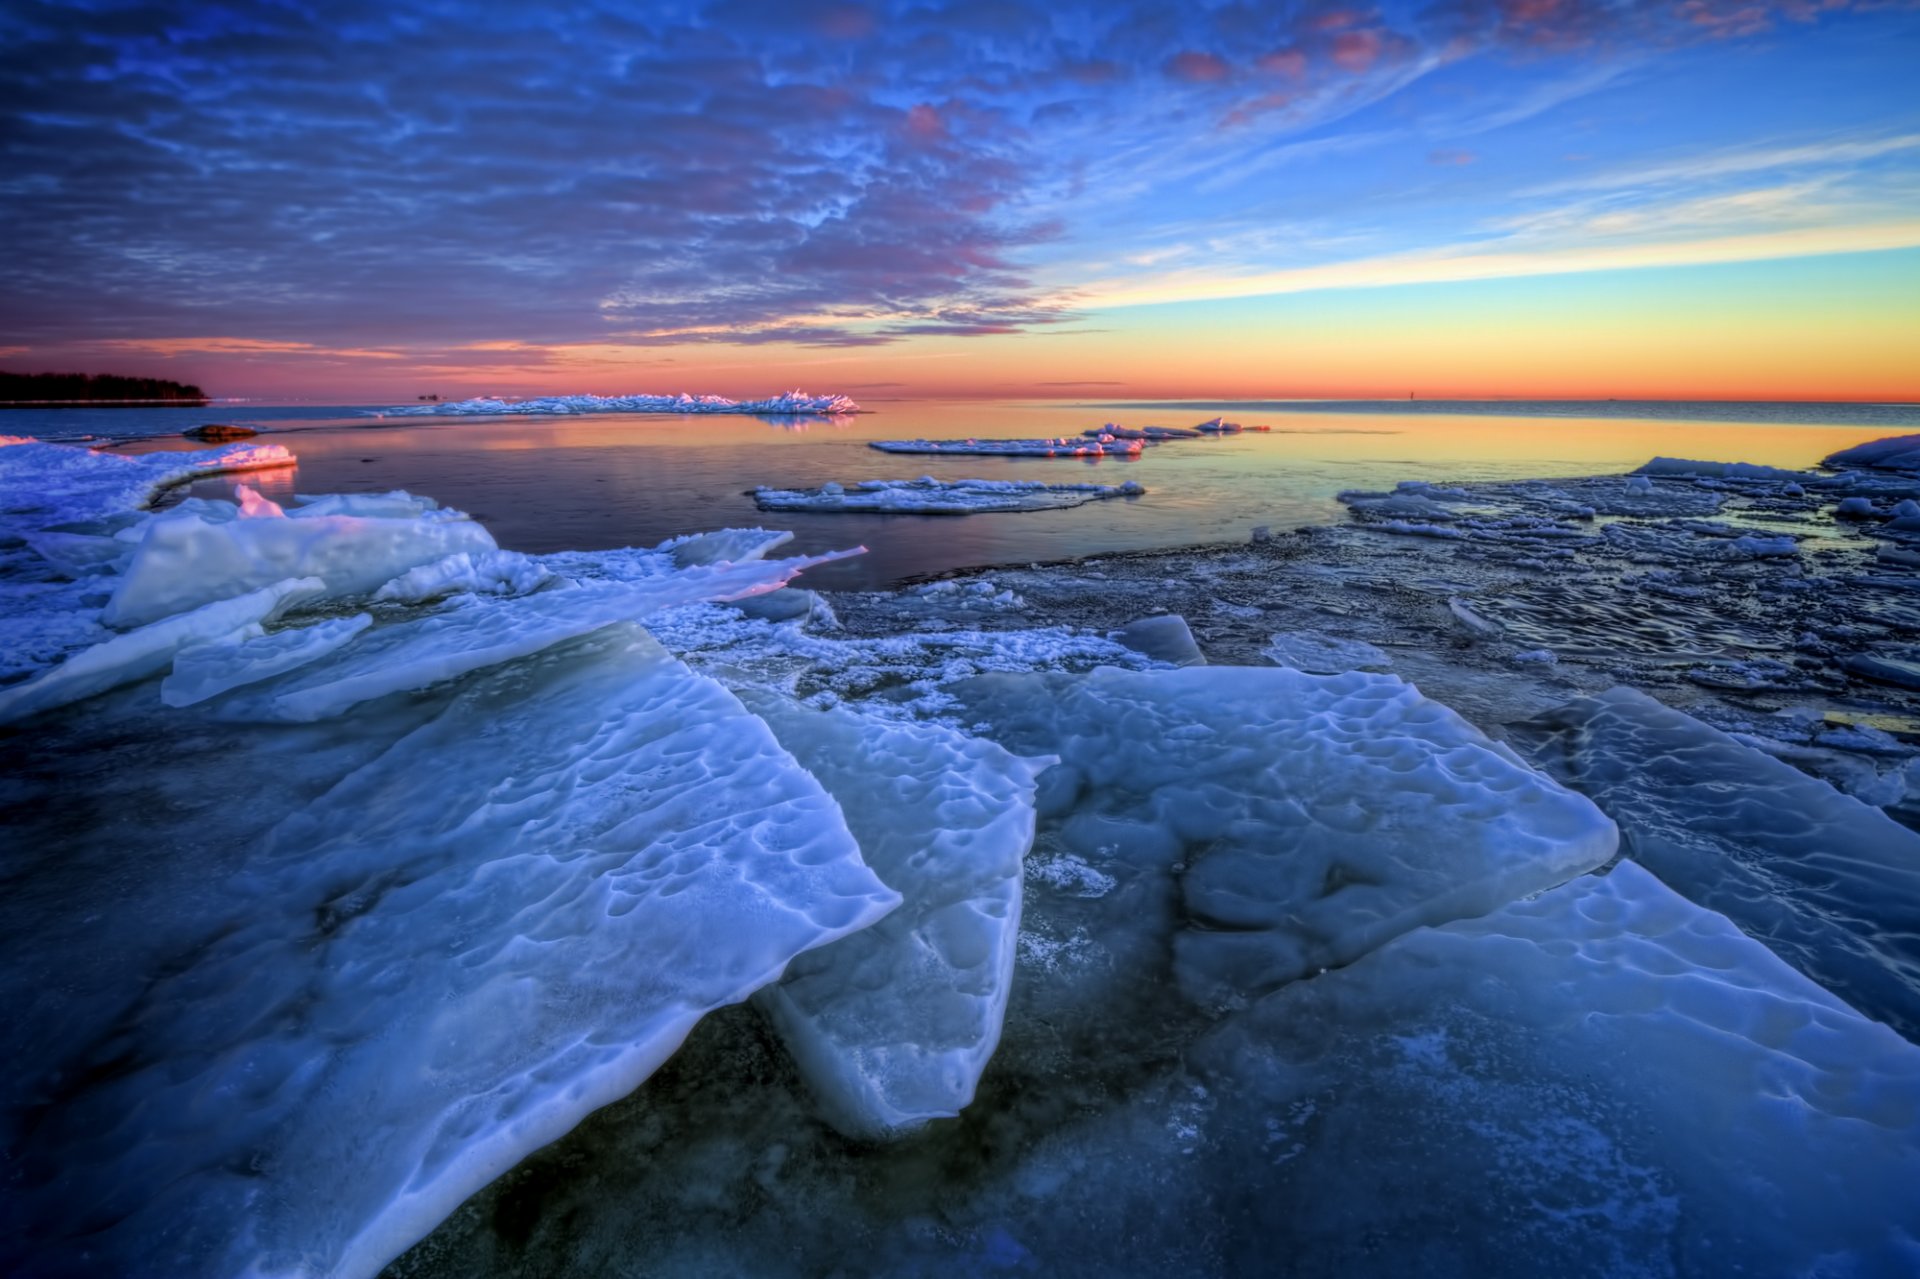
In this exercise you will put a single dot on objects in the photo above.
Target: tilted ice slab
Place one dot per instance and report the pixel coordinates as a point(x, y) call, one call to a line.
point(250, 655)
point(929, 496)
point(1069, 446)
point(476, 631)
point(1317, 817)
point(505, 922)
point(1605, 1080)
point(150, 649)
point(1829, 883)
point(186, 559)
point(468, 572)
point(1895, 453)
point(43, 485)
point(791, 402)
point(892, 1026)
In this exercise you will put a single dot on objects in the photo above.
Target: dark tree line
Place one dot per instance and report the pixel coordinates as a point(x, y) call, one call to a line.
point(44, 388)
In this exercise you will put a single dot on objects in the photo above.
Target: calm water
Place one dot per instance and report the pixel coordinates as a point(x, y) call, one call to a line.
point(544, 484)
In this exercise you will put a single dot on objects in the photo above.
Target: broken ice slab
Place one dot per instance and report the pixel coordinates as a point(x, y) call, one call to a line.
point(929, 496)
point(1832, 885)
point(1603, 1080)
point(475, 631)
point(892, 1026)
point(1312, 818)
point(506, 921)
point(185, 559)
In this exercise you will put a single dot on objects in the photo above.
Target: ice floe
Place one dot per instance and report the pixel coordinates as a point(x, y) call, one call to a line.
point(893, 1025)
point(929, 496)
point(1319, 654)
point(788, 403)
point(1065, 446)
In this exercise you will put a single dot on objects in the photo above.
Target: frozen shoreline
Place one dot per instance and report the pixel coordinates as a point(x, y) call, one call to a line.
point(1121, 714)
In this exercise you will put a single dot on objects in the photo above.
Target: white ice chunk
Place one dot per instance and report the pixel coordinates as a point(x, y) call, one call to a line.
point(148, 650)
point(929, 496)
point(396, 505)
point(507, 921)
point(184, 560)
point(1317, 816)
point(1828, 882)
point(478, 631)
point(1895, 453)
point(1605, 1080)
point(1718, 470)
point(723, 546)
point(251, 655)
point(477, 572)
point(1319, 654)
point(892, 1026)
point(787, 403)
point(1165, 637)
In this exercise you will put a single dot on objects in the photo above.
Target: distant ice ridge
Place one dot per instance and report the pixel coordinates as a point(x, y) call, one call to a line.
point(929, 496)
point(789, 403)
point(1100, 441)
point(1896, 453)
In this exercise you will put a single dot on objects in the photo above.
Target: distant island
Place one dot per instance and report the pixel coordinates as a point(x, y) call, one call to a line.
point(52, 389)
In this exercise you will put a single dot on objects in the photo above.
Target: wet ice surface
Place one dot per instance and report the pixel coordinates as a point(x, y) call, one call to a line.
point(415, 876)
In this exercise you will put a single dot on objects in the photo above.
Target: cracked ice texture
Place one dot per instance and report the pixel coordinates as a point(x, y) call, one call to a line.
point(1832, 885)
point(785, 404)
point(1607, 1075)
point(509, 919)
point(892, 1026)
point(1318, 817)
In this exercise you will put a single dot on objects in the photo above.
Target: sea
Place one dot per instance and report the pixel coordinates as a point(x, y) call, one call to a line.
point(599, 481)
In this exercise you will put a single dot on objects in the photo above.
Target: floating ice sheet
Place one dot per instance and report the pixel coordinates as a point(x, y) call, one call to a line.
point(892, 1026)
point(1605, 1080)
point(508, 920)
point(1067, 446)
point(1319, 654)
point(929, 496)
point(1316, 817)
point(791, 402)
point(1829, 883)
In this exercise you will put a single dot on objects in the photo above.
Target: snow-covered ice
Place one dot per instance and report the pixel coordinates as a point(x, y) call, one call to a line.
point(1895, 453)
point(892, 1026)
point(786, 404)
point(929, 496)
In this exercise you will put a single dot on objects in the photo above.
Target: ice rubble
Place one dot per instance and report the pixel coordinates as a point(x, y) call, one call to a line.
point(1678, 466)
point(150, 649)
point(1829, 883)
point(478, 573)
point(184, 559)
point(788, 403)
point(1604, 1079)
point(508, 920)
point(929, 496)
point(893, 1025)
point(1316, 817)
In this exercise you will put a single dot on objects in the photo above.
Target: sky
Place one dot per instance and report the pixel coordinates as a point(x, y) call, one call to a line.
point(354, 202)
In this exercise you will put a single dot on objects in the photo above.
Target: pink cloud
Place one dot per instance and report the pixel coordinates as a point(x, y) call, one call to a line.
point(1197, 68)
point(925, 125)
point(1448, 156)
point(1356, 51)
point(1289, 62)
